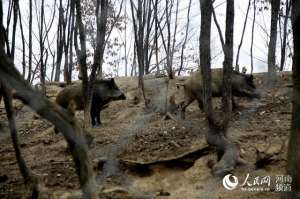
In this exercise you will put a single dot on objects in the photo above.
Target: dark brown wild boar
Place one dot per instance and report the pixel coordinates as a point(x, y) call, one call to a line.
point(242, 86)
point(104, 92)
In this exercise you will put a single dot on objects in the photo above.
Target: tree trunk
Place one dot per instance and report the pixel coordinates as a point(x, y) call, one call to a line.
point(218, 127)
point(293, 166)
point(101, 18)
point(138, 25)
point(41, 43)
point(2, 30)
point(59, 42)
point(67, 125)
point(16, 11)
point(185, 38)
point(275, 5)
point(28, 178)
point(81, 55)
point(285, 23)
point(156, 36)
point(23, 45)
point(237, 68)
point(252, 35)
point(30, 43)
point(71, 38)
point(66, 43)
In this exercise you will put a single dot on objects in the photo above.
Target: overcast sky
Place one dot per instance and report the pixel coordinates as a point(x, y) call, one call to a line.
point(260, 37)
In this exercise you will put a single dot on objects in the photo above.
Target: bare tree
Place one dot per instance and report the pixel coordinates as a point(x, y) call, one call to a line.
point(23, 45)
point(101, 20)
point(68, 31)
point(185, 38)
point(252, 34)
point(275, 5)
point(7, 95)
point(30, 43)
point(139, 19)
point(41, 44)
point(15, 11)
point(284, 39)
point(60, 40)
point(237, 68)
point(293, 148)
point(81, 56)
point(218, 127)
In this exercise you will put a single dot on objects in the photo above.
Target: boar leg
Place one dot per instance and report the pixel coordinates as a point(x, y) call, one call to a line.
point(98, 116)
point(234, 104)
point(187, 101)
point(200, 104)
point(95, 116)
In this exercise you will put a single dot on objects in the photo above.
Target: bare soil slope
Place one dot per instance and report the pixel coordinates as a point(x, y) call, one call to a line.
point(137, 154)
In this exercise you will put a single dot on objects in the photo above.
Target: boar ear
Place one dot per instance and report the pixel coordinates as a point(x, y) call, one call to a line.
point(112, 80)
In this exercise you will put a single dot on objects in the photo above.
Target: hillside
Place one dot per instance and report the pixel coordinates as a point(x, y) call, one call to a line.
point(138, 154)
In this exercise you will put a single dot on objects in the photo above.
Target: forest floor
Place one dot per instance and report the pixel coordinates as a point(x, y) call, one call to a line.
point(138, 154)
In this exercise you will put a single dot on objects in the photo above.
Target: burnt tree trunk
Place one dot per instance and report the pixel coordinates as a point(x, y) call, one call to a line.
point(66, 124)
point(81, 56)
point(101, 19)
point(15, 11)
point(66, 42)
point(293, 166)
point(59, 41)
point(252, 35)
point(285, 23)
point(13, 131)
point(218, 126)
point(41, 44)
point(30, 43)
point(185, 38)
point(275, 5)
point(23, 45)
point(138, 26)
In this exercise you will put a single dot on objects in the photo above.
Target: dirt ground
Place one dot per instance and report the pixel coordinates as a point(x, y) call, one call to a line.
point(138, 154)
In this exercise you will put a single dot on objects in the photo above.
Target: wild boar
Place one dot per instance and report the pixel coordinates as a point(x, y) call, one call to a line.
point(242, 86)
point(104, 92)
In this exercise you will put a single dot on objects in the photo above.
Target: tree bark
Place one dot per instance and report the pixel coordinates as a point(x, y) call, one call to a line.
point(275, 5)
point(16, 11)
point(293, 166)
point(285, 23)
point(218, 126)
point(252, 35)
point(23, 45)
point(101, 19)
point(138, 25)
point(60, 40)
point(28, 178)
point(81, 56)
point(30, 43)
point(185, 38)
point(41, 44)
